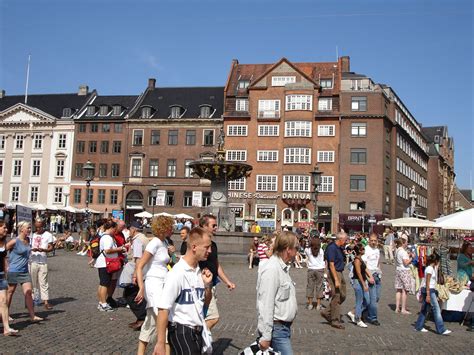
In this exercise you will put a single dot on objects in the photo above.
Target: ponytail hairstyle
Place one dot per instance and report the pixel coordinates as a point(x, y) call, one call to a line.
point(398, 243)
point(433, 259)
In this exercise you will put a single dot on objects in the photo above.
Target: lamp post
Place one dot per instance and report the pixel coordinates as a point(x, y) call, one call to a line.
point(316, 182)
point(89, 173)
point(153, 200)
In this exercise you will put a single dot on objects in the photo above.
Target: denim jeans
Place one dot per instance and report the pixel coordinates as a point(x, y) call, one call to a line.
point(281, 338)
point(375, 290)
point(425, 308)
point(362, 298)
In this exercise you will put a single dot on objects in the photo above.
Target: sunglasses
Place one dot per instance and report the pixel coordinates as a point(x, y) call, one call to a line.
point(214, 225)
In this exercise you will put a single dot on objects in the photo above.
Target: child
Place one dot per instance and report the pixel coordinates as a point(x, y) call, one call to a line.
point(430, 298)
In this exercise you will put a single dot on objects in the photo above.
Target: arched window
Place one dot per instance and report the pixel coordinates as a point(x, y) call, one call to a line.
point(304, 215)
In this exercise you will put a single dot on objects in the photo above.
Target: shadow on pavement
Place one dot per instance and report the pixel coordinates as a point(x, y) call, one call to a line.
point(221, 345)
point(61, 300)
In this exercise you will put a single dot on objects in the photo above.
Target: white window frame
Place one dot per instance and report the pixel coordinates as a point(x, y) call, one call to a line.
point(359, 129)
point(237, 130)
point(62, 139)
point(236, 155)
point(266, 130)
point(242, 105)
point(283, 80)
point(15, 193)
point(326, 156)
point(296, 183)
point(297, 155)
point(133, 137)
point(325, 104)
point(172, 170)
point(267, 155)
point(299, 103)
point(17, 167)
point(238, 184)
point(58, 194)
point(269, 108)
point(34, 191)
point(60, 165)
point(35, 166)
point(324, 86)
point(2, 141)
point(326, 130)
point(266, 183)
point(19, 141)
point(188, 171)
point(38, 141)
point(136, 170)
point(153, 169)
point(327, 184)
point(298, 128)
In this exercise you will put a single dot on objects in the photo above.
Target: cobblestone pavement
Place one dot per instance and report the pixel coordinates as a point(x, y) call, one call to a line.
point(75, 325)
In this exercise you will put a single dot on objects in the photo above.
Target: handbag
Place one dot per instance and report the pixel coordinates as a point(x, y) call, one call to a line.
point(254, 349)
point(441, 280)
point(125, 279)
point(112, 265)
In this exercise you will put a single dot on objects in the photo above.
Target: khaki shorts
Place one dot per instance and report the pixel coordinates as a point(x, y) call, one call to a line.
point(213, 312)
point(148, 330)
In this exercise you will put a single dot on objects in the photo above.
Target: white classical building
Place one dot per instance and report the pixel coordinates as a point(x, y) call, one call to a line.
point(36, 148)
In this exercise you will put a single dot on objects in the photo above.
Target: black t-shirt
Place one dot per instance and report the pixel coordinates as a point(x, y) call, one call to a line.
point(183, 248)
point(3, 255)
point(211, 263)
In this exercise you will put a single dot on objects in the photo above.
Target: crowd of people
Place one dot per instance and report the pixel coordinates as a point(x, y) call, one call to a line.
point(173, 294)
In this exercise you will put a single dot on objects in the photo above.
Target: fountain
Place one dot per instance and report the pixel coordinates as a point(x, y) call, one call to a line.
point(220, 172)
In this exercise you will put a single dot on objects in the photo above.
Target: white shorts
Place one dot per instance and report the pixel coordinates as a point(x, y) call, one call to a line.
point(153, 290)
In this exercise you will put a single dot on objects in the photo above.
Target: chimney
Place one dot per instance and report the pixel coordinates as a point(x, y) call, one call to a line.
point(2, 94)
point(83, 90)
point(151, 83)
point(345, 64)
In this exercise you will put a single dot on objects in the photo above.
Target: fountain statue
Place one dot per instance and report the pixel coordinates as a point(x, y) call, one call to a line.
point(220, 172)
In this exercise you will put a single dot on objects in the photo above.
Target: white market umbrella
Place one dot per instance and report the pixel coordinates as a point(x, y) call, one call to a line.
point(39, 207)
point(183, 215)
point(71, 209)
point(463, 220)
point(143, 214)
point(163, 214)
point(407, 222)
point(51, 208)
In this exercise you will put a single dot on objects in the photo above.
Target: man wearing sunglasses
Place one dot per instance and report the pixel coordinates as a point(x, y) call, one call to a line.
point(209, 223)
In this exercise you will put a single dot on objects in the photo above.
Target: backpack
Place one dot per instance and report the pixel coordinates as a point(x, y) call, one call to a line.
point(95, 246)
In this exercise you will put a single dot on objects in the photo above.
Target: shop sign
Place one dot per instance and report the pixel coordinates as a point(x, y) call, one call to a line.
point(296, 195)
point(197, 199)
point(117, 214)
point(266, 213)
point(160, 197)
point(252, 195)
point(237, 211)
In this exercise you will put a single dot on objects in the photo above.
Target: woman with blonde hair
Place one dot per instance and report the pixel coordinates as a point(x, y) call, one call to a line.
point(7, 331)
point(403, 278)
point(18, 267)
point(153, 267)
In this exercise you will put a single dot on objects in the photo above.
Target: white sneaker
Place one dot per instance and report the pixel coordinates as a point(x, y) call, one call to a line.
point(351, 316)
point(105, 308)
point(423, 330)
point(361, 324)
point(446, 332)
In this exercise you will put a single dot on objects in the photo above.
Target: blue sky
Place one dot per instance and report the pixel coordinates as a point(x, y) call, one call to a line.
point(423, 49)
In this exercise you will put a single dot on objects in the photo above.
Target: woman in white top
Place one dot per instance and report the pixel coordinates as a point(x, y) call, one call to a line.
point(153, 267)
point(316, 267)
point(108, 248)
point(429, 297)
point(403, 278)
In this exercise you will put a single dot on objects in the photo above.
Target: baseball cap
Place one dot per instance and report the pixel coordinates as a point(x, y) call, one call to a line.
point(136, 224)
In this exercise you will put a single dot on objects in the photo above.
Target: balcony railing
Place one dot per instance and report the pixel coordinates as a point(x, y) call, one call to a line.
point(269, 114)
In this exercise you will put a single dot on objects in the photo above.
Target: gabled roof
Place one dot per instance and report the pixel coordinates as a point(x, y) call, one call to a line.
point(190, 98)
point(468, 194)
point(283, 60)
point(431, 132)
point(41, 115)
point(52, 104)
point(252, 72)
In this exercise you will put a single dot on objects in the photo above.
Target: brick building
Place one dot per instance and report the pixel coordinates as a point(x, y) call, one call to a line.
point(169, 128)
point(101, 138)
point(441, 167)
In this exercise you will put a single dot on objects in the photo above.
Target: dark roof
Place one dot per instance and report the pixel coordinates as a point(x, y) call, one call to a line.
point(190, 98)
point(431, 132)
point(126, 101)
point(468, 194)
point(52, 104)
point(350, 74)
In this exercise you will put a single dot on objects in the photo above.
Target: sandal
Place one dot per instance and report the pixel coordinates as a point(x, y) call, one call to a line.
point(36, 319)
point(11, 333)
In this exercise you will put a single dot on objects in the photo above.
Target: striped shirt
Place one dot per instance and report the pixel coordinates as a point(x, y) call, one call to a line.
point(262, 248)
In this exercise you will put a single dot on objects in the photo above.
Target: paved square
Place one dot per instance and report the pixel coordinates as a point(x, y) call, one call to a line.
point(75, 325)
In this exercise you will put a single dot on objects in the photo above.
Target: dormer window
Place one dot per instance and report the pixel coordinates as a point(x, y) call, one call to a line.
point(175, 111)
point(205, 111)
point(104, 110)
point(67, 112)
point(243, 84)
point(326, 83)
point(436, 139)
point(117, 110)
point(90, 110)
point(146, 112)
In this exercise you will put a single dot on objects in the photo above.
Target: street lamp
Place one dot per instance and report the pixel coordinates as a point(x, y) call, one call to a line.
point(154, 192)
point(316, 182)
point(89, 173)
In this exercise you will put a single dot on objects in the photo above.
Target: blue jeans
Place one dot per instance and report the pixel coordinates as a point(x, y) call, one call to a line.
point(281, 338)
point(425, 308)
point(375, 290)
point(362, 298)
